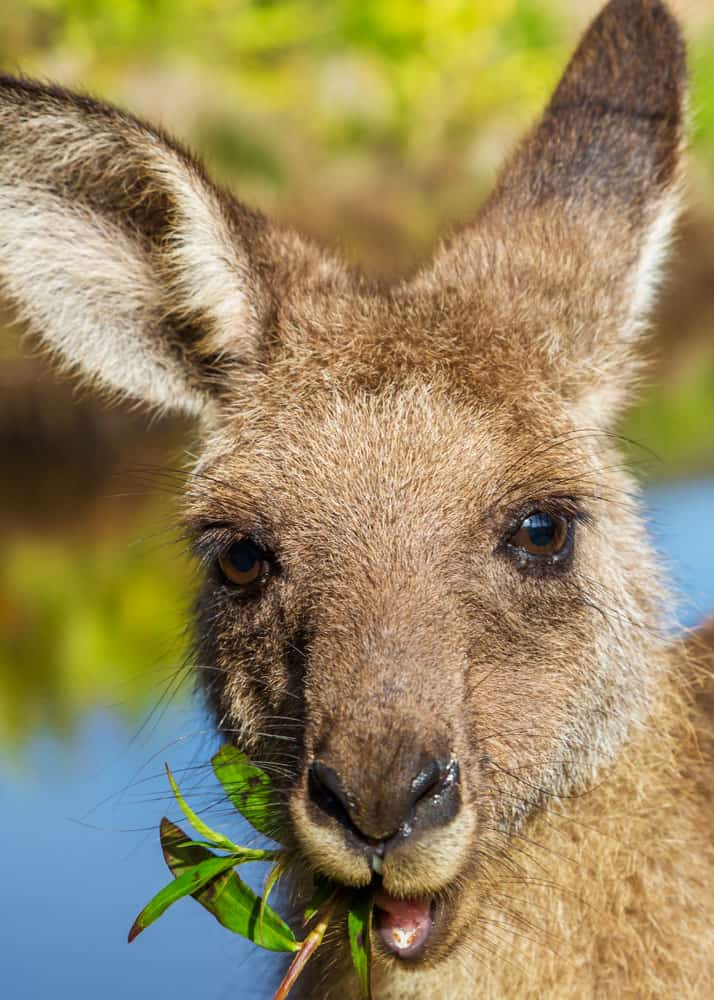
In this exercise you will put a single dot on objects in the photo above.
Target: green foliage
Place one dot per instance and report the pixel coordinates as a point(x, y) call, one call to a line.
point(396, 61)
point(227, 897)
point(249, 789)
point(701, 58)
point(88, 626)
point(189, 883)
point(216, 839)
point(323, 891)
point(676, 422)
point(212, 881)
point(340, 75)
point(303, 104)
point(359, 928)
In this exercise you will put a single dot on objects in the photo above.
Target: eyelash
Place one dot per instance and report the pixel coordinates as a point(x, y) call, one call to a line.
point(211, 539)
point(565, 506)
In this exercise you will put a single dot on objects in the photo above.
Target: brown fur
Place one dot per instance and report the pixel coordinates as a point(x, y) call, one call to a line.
point(603, 895)
point(382, 446)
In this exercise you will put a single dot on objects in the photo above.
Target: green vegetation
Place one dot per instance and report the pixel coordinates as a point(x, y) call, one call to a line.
point(213, 881)
point(676, 422)
point(410, 104)
point(702, 68)
point(87, 626)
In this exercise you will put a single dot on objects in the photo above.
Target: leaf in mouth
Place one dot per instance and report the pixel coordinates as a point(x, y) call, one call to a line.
point(190, 882)
point(359, 930)
point(212, 881)
point(324, 891)
point(274, 876)
point(215, 838)
point(227, 897)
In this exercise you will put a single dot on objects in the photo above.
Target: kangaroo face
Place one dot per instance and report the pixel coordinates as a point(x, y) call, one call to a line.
point(428, 602)
point(420, 594)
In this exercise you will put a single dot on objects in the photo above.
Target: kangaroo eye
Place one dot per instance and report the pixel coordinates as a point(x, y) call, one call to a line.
point(243, 564)
point(542, 534)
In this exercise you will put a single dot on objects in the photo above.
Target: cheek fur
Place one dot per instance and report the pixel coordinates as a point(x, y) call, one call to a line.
point(533, 653)
point(253, 661)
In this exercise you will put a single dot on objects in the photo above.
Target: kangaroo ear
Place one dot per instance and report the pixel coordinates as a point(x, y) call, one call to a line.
point(121, 254)
point(568, 250)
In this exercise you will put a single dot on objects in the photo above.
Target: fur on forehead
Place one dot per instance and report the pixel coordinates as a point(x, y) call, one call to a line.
point(493, 342)
point(434, 444)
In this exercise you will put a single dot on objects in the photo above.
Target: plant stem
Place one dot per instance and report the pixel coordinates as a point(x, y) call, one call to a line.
point(309, 946)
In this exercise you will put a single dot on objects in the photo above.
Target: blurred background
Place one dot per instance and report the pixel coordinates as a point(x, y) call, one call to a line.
point(372, 125)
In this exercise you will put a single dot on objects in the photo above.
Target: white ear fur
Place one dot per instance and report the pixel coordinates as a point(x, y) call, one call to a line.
point(209, 272)
point(648, 273)
point(92, 294)
point(119, 253)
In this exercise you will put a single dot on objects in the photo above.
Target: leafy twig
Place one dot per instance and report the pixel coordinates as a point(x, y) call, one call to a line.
point(213, 882)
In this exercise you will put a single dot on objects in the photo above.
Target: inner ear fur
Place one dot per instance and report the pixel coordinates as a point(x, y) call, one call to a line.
point(566, 254)
point(119, 251)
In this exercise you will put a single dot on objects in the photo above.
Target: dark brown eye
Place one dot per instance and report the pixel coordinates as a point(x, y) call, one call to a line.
point(243, 564)
point(542, 534)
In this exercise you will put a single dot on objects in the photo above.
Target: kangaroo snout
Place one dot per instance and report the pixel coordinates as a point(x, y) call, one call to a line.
point(418, 792)
point(388, 802)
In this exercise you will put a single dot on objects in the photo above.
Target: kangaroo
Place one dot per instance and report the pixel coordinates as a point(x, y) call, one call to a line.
point(429, 599)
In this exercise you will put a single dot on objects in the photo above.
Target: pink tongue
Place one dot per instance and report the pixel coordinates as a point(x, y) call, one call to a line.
point(403, 924)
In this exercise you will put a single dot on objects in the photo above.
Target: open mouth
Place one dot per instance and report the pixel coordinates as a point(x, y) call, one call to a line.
point(404, 926)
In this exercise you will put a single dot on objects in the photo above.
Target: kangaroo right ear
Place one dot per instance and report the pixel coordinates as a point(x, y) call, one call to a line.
point(121, 254)
point(567, 253)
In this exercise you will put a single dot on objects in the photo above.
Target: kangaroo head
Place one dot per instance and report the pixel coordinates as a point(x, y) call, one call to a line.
point(428, 595)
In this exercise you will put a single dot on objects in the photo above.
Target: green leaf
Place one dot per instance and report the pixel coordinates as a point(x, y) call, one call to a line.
point(217, 839)
point(274, 876)
point(359, 928)
point(249, 789)
point(228, 898)
point(188, 883)
point(240, 855)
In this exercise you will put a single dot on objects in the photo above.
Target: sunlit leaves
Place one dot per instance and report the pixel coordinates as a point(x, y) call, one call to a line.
point(249, 789)
point(217, 839)
point(85, 629)
point(228, 898)
point(211, 879)
point(187, 884)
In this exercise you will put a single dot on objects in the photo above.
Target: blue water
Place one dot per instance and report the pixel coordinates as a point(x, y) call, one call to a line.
point(79, 852)
point(681, 520)
point(80, 856)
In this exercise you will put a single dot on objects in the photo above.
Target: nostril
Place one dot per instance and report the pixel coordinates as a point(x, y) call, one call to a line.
point(326, 791)
point(428, 780)
point(390, 807)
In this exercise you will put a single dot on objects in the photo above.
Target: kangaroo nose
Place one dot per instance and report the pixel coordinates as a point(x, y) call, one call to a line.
point(376, 812)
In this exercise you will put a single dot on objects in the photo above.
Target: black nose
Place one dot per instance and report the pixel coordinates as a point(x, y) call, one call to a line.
point(373, 815)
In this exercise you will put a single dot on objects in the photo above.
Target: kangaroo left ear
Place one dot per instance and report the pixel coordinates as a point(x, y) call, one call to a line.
point(137, 270)
point(568, 250)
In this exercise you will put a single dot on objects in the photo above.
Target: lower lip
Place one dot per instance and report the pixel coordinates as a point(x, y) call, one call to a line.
point(404, 927)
